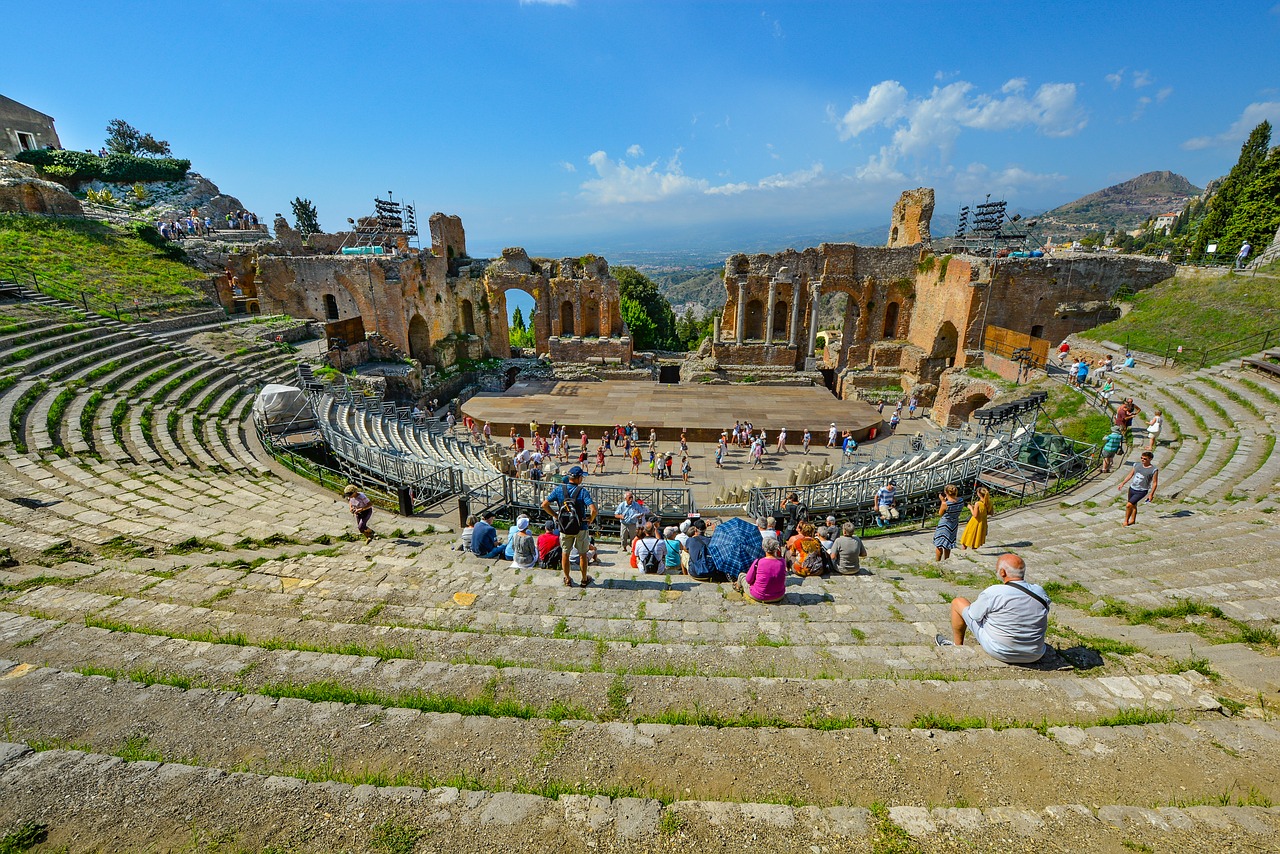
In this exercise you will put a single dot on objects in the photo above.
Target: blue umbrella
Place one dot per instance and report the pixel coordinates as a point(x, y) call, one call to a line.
point(735, 543)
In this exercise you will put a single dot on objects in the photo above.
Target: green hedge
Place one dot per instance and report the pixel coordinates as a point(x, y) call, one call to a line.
point(116, 168)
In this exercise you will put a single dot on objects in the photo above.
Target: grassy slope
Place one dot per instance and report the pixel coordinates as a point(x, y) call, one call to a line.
point(71, 255)
point(1197, 313)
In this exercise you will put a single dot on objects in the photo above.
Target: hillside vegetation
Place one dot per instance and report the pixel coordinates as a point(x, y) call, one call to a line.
point(1198, 314)
point(73, 255)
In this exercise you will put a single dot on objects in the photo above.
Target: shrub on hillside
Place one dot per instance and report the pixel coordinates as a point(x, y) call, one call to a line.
point(148, 234)
point(114, 168)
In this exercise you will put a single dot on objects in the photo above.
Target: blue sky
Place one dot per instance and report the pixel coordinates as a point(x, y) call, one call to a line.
point(572, 126)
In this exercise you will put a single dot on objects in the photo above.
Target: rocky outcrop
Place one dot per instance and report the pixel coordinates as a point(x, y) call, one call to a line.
point(175, 199)
point(22, 191)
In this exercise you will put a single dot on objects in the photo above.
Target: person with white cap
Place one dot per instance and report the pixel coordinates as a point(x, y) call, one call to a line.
point(524, 550)
point(831, 435)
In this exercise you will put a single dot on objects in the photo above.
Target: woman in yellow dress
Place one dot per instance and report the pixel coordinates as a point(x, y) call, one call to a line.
point(975, 530)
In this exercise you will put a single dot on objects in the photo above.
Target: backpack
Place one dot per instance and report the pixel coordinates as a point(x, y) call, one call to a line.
point(810, 563)
point(651, 562)
point(552, 560)
point(569, 519)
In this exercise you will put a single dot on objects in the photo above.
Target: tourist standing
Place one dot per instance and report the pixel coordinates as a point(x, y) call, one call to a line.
point(1110, 447)
point(911, 407)
point(630, 513)
point(361, 508)
point(975, 530)
point(831, 435)
point(949, 507)
point(576, 511)
point(1154, 427)
point(893, 421)
point(808, 437)
point(1142, 480)
point(782, 441)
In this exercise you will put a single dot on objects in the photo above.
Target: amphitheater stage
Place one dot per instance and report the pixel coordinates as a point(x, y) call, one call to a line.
point(702, 410)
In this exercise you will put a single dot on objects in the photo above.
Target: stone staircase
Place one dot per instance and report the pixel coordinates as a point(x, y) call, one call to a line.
point(303, 694)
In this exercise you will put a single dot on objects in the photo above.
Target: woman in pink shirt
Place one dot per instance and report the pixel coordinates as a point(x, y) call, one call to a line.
point(766, 580)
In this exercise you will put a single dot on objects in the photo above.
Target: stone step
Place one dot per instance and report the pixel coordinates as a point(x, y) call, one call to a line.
point(889, 701)
point(321, 815)
point(1153, 763)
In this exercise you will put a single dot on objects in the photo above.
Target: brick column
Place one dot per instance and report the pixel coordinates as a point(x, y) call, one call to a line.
point(773, 301)
point(813, 320)
point(740, 332)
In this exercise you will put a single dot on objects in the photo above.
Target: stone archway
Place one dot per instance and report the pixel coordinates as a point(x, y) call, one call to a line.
point(946, 345)
point(420, 340)
point(891, 320)
point(468, 313)
point(753, 326)
point(590, 318)
point(974, 400)
point(566, 319)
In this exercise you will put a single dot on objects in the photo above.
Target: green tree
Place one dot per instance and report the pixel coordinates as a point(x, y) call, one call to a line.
point(1219, 210)
point(517, 320)
point(645, 311)
point(1256, 214)
point(692, 330)
point(124, 138)
point(305, 218)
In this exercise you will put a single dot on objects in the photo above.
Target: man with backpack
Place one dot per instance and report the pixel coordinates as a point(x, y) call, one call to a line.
point(575, 511)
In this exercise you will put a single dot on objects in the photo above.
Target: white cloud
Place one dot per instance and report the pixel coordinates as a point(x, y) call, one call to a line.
point(1163, 94)
point(980, 178)
point(1252, 116)
point(1142, 78)
point(927, 124)
point(1115, 78)
point(774, 25)
point(768, 146)
point(883, 105)
point(790, 181)
point(635, 151)
point(567, 166)
point(617, 183)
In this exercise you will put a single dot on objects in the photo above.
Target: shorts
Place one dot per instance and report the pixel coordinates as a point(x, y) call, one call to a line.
point(888, 511)
point(996, 650)
point(580, 541)
point(1136, 495)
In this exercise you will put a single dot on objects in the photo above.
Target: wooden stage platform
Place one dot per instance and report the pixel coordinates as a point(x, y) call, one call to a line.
point(702, 410)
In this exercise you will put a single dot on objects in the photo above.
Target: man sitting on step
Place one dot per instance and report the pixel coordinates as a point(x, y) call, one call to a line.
point(1008, 619)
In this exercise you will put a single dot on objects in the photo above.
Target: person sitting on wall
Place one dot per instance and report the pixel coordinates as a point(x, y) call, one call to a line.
point(1008, 619)
point(484, 539)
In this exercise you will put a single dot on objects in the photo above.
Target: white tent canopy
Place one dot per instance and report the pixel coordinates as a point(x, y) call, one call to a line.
point(283, 409)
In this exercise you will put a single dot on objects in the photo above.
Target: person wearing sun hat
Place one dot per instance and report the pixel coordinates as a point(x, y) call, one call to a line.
point(524, 550)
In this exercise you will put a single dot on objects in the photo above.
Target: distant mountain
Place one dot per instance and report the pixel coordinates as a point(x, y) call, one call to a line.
point(1123, 206)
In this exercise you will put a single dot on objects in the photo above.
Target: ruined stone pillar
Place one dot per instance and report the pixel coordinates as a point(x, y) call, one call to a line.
point(796, 299)
point(813, 320)
point(741, 331)
point(773, 302)
point(715, 329)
